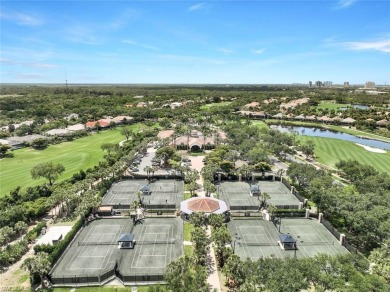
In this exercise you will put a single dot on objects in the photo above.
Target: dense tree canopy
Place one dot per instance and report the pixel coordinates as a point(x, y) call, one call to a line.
point(48, 170)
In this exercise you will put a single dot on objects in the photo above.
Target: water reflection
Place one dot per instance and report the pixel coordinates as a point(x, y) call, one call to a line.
point(326, 133)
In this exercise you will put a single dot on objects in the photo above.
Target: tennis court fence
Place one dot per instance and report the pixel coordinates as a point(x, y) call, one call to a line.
point(331, 228)
point(145, 206)
point(140, 278)
point(102, 278)
point(159, 206)
point(72, 280)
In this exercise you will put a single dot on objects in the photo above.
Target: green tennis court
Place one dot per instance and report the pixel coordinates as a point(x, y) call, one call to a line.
point(238, 195)
point(257, 238)
point(162, 192)
point(94, 256)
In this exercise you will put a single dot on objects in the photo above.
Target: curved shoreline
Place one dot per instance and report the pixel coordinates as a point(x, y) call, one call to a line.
point(371, 149)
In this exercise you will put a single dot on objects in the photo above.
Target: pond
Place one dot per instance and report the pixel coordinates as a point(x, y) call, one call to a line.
point(356, 106)
point(319, 132)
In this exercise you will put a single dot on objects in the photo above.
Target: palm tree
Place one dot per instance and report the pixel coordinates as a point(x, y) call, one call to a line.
point(148, 169)
point(234, 270)
point(39, 264)
point(20, 227)
point(263, 200)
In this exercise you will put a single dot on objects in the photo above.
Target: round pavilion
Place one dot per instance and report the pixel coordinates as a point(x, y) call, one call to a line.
point(203, 204)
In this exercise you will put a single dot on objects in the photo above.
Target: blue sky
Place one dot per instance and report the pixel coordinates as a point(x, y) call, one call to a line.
point(195, 42)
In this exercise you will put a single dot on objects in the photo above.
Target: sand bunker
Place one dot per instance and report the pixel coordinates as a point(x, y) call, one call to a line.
point(372, 149)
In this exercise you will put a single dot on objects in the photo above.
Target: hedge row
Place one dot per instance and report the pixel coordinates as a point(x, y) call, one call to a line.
point(58, 248)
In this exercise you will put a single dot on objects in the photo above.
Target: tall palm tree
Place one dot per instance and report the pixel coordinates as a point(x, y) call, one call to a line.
point(38, 264)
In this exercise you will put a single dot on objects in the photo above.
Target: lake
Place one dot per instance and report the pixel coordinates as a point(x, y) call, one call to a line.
point(319, 132)
point(356, 106)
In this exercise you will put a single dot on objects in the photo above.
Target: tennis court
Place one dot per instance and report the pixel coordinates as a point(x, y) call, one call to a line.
point(94, 254)
point(280, 195)
point(238, 194)
point(256, 238)
point(312, 237)
point(163, 192)
point(123, 192)
point(94, 259)
point(158, 242)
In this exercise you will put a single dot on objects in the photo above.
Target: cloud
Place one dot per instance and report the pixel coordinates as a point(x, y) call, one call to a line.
point(226, 51)
point(197, 7)
point(83, 34)
point(185, 59)
point(123, 19)
point(21, 18)
point(145, 46)
point(344, 3)
point(28, 76)
point(26, 64)
point(258, 52)
point(382, 45)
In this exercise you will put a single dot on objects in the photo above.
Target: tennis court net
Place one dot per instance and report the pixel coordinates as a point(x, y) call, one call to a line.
point(315, 243)
point(258, 243)
point(82, 243)
point(144, 242)
point(276, 243)
point(141, 242)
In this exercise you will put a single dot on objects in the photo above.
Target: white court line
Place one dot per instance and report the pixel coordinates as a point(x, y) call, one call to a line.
point(154, 246)
point(79, 251)
point(107, 250)
point(139, 251)
point(112, 249)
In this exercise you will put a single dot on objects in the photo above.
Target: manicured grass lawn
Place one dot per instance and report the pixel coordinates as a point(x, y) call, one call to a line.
point(187, 195)
point(188, 250)
point(331, 105)
point(207, 106)
point(187, 231)
point(79, 154)
point(260, 124)
point(330, 151)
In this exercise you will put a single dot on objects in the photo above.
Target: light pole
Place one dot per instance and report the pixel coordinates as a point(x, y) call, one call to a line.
point(236, 239)
point(296, 247)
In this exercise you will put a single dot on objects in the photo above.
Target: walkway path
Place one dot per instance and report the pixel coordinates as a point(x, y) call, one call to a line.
point(213, 278)
point(10, 278)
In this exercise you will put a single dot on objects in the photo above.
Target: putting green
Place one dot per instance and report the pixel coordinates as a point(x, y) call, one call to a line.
point(76, 155)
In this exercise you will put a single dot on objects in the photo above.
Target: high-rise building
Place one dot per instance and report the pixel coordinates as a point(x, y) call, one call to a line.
point(318, 83)
point(328, 83)
point(346, 84)
point(310, 84)
point(370, 85)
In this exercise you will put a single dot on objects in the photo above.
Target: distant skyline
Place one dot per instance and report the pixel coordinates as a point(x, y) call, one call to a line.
point(195, 42)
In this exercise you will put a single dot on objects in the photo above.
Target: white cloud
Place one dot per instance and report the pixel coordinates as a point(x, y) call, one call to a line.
point(258, 52)
point(226, 51)
point(83, 34)
point(185, 59)
point(123, 19)
point(382, 45)
point(344, 3)
point(145, 46)
point(198, 6)
point(21, 18)
point(26, 64)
